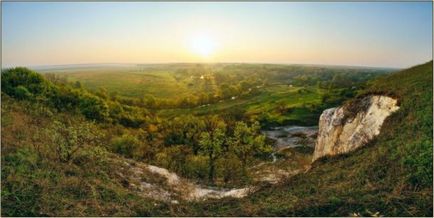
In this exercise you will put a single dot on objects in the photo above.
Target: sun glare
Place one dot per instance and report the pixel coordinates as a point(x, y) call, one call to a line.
point(203, 45)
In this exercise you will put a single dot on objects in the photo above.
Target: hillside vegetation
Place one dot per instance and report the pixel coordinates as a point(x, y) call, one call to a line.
point(392, 176)
point(272, 94)
point(65, 144)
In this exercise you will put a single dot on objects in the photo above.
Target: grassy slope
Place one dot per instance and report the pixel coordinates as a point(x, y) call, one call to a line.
point(34, 185)
point(392, 175)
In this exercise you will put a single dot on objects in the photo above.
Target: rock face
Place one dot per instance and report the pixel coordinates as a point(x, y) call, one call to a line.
point(348, 127)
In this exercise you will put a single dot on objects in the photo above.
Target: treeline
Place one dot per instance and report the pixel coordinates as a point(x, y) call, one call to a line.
point(24, 84)
point(206, 148)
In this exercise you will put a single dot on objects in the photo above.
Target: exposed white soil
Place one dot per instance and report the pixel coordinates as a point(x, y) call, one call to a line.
point(161, 184)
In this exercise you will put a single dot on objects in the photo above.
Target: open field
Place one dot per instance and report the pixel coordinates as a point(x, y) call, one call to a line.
point(274, 94)
point(175, 80)
point(279, 102)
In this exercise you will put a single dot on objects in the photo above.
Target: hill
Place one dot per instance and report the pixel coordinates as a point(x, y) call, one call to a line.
point(392, 176)
point(68, 151)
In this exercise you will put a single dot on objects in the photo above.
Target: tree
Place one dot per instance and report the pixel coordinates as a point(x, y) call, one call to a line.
point(68, 138)
point(93, 107)
point(246, 142)
point(64, 98)
point(184, 130)
point(212, 145)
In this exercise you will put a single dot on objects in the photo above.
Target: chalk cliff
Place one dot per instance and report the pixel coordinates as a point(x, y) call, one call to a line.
point(348, 127)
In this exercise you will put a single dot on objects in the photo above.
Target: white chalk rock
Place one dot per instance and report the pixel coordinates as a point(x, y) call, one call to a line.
point(346, 128)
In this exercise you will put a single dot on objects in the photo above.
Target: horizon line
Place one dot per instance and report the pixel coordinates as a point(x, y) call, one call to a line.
point(237, 62)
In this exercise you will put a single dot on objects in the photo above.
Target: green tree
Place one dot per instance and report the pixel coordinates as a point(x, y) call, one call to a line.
point(64, 98)
point(246, 142)
point(212, 145)
point(93, 107)
point(68, 138)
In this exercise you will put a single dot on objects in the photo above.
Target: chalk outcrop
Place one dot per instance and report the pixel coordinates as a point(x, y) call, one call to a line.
point(351, 126)
point(162, 185)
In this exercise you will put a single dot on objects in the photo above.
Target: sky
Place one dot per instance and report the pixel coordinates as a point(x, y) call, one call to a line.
point(333, 33)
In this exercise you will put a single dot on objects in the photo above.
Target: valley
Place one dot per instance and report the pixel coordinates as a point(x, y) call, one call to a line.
point(216, 109)
point(178, 148)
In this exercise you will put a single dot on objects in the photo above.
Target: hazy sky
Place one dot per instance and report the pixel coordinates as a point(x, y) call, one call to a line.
point(370, 34)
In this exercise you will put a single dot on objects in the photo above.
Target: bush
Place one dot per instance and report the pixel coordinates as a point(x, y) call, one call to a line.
point(21, 92)
point(93, 108)
point(63, 98)
point(126, 145)
point(69, 138)
point(28, 81)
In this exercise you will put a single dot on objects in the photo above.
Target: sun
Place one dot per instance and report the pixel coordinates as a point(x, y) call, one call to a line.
point(203, 45)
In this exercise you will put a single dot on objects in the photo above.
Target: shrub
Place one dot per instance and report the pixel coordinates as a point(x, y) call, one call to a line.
point(21, 92)
point(68, 138)
point(93, 107)
point(20, 76)
point(63, 98)
point(126, 145)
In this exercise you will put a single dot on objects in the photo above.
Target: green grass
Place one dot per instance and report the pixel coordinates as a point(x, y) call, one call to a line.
point(273, 103)
point(268, 101)
point(178, 80)
point(392, 175)
point(34, 183)
point(166, 84)
point(160, 84)
point(161, 81)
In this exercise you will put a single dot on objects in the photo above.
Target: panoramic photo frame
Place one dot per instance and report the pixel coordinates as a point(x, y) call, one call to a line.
point(287, 109)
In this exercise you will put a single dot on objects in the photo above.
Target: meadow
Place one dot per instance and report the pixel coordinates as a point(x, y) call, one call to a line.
point(274, 94)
